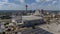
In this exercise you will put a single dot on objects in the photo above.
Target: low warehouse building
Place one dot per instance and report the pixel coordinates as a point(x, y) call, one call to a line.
point(29, 21)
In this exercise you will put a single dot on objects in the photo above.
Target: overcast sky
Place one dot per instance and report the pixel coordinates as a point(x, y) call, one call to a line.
point(32, 4)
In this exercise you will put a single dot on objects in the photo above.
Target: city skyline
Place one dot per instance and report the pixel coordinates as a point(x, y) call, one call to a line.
point(32, 4)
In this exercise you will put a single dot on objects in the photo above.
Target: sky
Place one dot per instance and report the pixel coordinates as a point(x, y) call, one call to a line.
point(32, 4)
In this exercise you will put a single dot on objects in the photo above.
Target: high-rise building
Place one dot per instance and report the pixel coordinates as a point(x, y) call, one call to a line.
point(42, 11)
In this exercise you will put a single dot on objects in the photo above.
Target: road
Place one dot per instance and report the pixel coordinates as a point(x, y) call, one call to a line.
point(36, 31)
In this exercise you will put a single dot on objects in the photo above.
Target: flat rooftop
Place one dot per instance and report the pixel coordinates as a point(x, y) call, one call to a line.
point(31, 17)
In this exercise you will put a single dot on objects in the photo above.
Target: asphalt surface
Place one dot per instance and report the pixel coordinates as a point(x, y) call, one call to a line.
point(36, 31)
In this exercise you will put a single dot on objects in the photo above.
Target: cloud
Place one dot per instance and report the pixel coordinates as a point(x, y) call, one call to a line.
point(54, 2)
point(22, 1)
point(12, 6)
point(39, 0)
point(48, 0)
point(2, 3)
point(6, 5)
point(5, 0)
point(43, 0)
point(39, 4)
point(33, 4)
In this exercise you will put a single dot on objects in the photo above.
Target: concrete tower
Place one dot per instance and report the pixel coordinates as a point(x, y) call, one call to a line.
point(26, 7)
point(25, 13)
